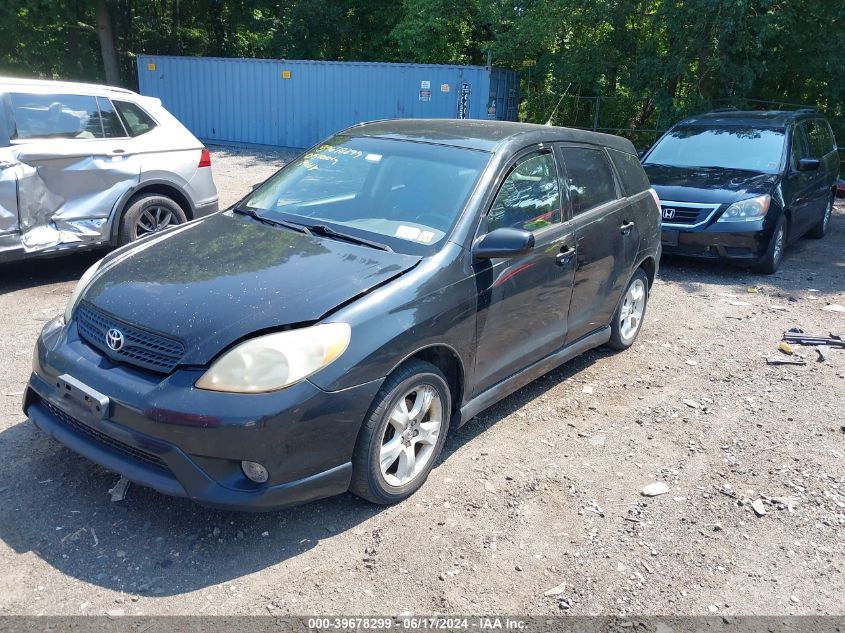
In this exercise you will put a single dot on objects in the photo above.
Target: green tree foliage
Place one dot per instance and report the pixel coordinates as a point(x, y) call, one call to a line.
point(650, 61)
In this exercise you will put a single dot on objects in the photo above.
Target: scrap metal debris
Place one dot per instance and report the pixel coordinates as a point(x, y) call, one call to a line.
point(796, 336)
point(119, 490)
point(785, 361)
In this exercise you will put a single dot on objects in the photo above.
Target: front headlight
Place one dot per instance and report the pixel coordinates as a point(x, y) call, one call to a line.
point(747, 210)
point(275, 361)
point(81, 285)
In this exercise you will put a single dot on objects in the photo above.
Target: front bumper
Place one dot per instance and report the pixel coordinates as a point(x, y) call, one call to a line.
point(744, 242)
point(163, 433)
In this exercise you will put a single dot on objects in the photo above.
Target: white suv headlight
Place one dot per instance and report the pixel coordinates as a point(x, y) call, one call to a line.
point(81, 285)
point(275, 361)
point(747, 210)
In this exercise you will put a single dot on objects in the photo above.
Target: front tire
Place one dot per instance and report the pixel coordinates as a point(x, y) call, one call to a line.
point(774, 253)
point(403, 434)
point(629, 315)
point(149, 214)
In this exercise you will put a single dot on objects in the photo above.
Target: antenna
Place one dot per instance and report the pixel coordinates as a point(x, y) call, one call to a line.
point(554, 112)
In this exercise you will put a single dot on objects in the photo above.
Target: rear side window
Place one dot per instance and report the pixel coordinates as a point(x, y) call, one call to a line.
point(821, 138)
point(112, 127)
point(630, 171)
point(589, 178)
point(55, 116)
point(135, 120)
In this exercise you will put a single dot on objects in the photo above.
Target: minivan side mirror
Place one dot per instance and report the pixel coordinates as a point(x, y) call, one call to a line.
point(504, 242)
point(809, 164)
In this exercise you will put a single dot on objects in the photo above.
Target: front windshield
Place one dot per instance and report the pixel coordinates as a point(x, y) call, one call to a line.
point(751, 149)
point(404, 194)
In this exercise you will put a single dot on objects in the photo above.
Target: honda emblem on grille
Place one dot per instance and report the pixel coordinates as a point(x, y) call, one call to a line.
point(668, 214)
point(114, 339)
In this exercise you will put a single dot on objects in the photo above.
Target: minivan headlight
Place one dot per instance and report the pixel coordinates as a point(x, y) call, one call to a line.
point(275, 361)
point(747, 210)
point(81, 285)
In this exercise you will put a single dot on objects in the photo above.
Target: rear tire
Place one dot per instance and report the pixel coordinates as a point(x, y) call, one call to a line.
point(774, 252)
point(148, 214)
point(630, 314)
point(821, 229)
point(403, 434)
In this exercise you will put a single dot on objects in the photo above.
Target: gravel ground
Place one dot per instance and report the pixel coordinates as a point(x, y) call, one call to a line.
point(534, 509)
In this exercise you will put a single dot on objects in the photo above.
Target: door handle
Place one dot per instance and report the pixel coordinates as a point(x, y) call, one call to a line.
point(626, 228)
point(117, 152)
point(565, 255)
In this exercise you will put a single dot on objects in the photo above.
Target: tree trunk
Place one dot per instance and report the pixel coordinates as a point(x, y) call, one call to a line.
point(107, 47)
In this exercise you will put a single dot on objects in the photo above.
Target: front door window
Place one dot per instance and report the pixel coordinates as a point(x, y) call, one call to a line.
point(529, 199)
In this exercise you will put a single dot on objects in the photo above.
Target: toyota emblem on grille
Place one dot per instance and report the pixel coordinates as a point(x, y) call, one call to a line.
point(668, 214)
point(114, 339)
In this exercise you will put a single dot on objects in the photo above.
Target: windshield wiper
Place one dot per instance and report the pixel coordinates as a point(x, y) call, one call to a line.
point(293, 226)
point(327, 231)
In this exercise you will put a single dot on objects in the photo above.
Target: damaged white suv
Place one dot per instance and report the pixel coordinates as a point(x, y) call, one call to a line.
point(83, 166)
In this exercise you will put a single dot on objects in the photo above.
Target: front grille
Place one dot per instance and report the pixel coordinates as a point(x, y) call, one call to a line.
point(141, 347)
point(687, 215)
point(101, 438)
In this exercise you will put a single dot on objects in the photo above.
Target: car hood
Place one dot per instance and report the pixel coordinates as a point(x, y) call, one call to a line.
point(707, 184)
point(218, 280)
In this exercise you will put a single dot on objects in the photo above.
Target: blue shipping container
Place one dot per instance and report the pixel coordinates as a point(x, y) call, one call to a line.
point(297, 103)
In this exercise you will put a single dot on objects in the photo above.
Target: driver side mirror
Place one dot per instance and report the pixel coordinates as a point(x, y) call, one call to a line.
point(809, 164)
point(504, 242)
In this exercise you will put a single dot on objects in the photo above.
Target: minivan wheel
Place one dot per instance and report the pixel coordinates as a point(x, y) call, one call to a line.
point(630, 313)
point(403, 434)
point(148, 214)
point(820, 230)
point(774, 253)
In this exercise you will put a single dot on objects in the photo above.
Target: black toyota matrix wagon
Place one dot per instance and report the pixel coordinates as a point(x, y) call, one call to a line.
point(326, 332)
point(738, 186)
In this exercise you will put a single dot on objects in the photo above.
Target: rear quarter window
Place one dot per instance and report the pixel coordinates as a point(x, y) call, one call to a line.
point(821, 138)
point(631, 172)
point(135, 119)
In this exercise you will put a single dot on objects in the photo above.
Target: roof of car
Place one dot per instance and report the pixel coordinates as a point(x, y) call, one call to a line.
point(750, 118)
point(41, 85)
point(483, 135)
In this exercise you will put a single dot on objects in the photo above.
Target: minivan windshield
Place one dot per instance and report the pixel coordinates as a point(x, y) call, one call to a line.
point(729, 147)
point(406, 195)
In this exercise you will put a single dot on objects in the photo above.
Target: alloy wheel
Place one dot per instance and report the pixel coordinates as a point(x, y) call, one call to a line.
point(153, 220)
point(633, 307)
point(411, 435)
point(777, 251)
point(826, 219)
